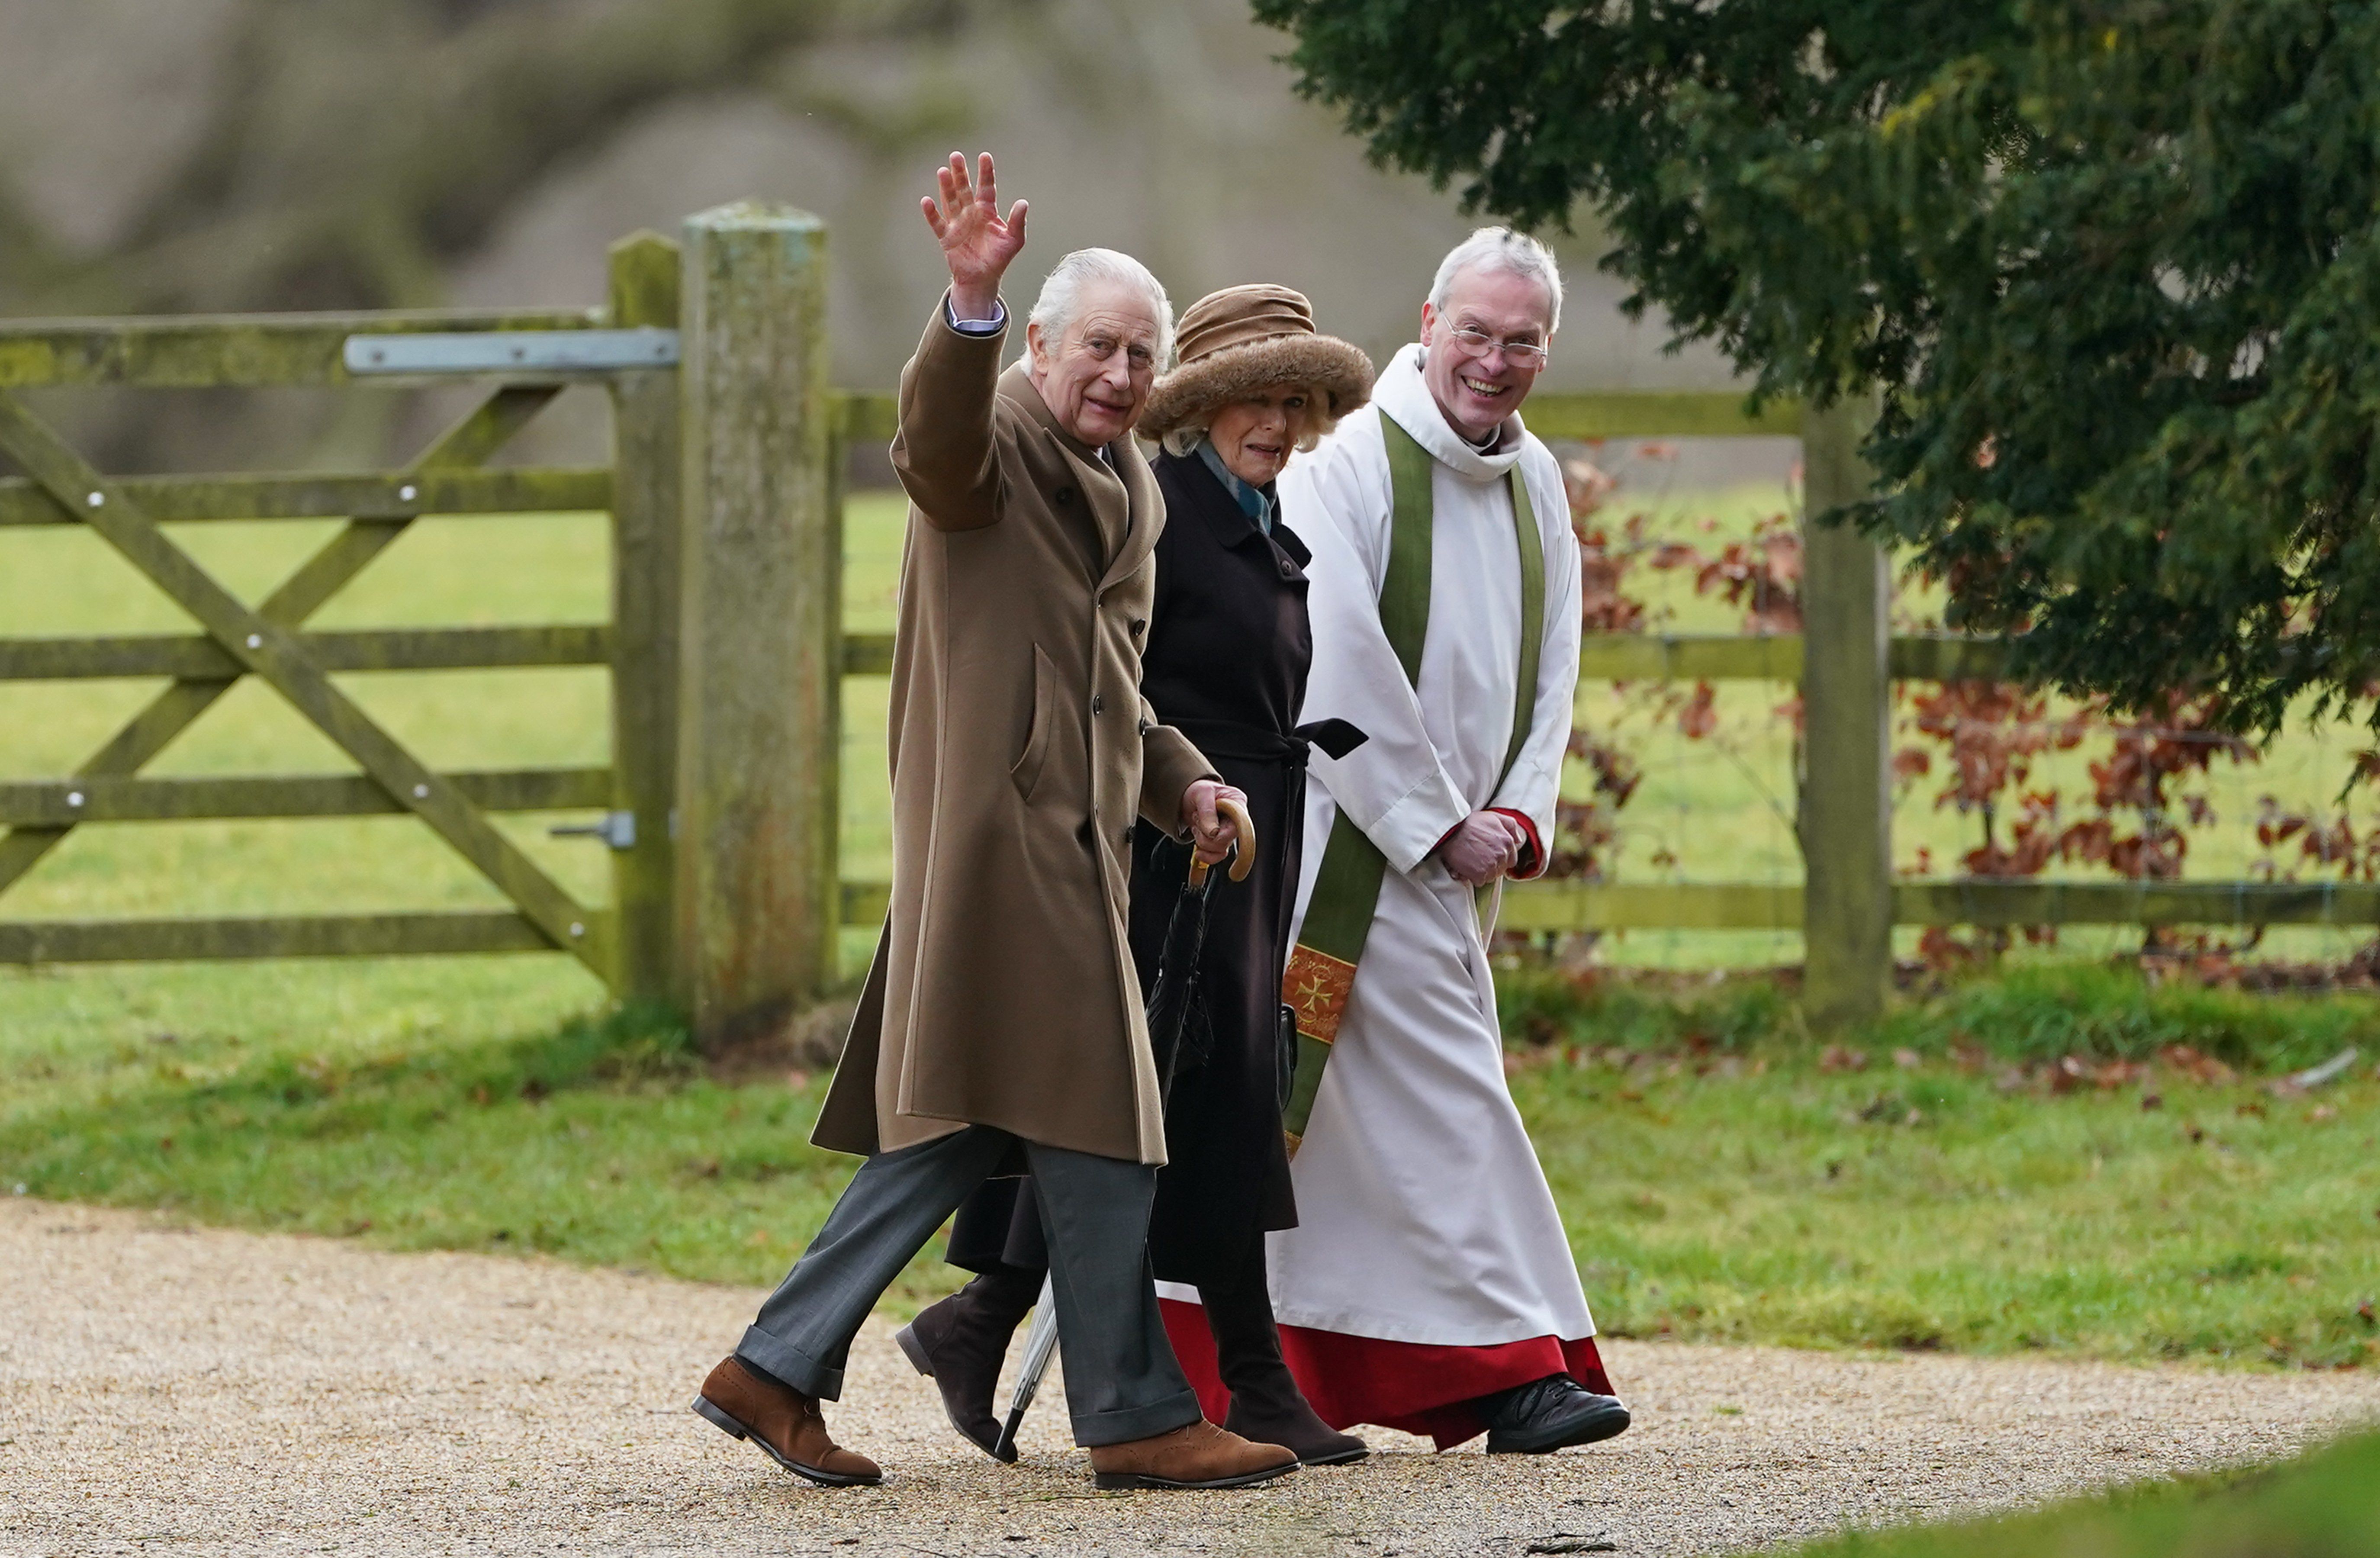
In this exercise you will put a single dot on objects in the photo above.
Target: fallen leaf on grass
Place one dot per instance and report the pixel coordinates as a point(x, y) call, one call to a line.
point(2199, 1067)
point(1835, 1057)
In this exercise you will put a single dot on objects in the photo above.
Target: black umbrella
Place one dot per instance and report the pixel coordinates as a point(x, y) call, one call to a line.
point(1170, 1028)
point(1179, 1039)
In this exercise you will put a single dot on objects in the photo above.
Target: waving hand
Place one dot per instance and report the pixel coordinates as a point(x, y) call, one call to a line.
point(978, 242)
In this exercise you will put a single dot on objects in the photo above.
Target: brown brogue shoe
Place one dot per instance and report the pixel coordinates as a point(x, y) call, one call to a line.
point(782, 1422)
point(1198, 1456)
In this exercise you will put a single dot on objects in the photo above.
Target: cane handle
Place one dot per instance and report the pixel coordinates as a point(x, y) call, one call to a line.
point(1243, 858)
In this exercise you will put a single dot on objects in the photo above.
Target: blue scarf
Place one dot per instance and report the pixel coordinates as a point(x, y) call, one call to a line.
point(1252, 500)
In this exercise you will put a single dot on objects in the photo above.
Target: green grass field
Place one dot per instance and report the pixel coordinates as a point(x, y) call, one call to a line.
point(1721, 1180)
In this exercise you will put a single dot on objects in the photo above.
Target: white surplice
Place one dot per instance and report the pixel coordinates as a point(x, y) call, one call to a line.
point(1423, 1214)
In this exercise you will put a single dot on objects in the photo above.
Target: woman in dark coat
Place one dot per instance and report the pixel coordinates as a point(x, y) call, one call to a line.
point(1226, 665)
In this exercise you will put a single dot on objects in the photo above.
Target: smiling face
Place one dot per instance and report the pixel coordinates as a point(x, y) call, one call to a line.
point(1256, 436)
point(1477, 390)
point(1095, 377)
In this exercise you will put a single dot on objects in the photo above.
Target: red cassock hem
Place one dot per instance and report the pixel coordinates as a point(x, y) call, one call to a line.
point(1412, 1386)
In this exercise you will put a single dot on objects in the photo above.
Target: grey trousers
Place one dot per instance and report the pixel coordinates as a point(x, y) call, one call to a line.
point(1122, 1380)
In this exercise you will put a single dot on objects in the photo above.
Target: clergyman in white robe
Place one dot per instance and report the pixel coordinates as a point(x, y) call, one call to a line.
point(1429, 1266)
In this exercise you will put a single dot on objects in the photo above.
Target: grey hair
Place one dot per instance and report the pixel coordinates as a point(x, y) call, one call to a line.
point(1500, 249)
point(1061, 294)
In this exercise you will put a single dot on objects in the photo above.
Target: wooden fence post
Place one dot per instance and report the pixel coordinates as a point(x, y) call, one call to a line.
point(759, 715)
point(645, 590)
point(1846, 803)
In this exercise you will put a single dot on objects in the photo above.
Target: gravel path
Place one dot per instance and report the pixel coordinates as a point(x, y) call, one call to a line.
point(165, 1388)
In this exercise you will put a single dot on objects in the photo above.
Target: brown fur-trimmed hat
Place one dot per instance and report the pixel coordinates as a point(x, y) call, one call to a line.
point(1244, 340)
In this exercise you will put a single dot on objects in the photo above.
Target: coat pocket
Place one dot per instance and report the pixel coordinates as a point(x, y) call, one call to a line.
point(1026, 771)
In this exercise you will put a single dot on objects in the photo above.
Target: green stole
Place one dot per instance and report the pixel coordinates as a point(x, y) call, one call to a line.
point(1347, 889)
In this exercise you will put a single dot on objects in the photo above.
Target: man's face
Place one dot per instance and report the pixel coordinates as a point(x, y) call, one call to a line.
point(1095, 378)
point(1478, 387)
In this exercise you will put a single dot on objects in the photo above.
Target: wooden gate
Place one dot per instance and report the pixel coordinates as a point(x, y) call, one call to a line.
point(720, 445)
point(266, 639)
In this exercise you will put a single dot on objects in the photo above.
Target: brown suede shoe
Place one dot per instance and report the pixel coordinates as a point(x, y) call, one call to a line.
point(1197, 1456)
point(785, 1422)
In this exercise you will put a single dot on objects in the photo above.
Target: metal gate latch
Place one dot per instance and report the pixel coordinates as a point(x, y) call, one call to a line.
point(617, 829)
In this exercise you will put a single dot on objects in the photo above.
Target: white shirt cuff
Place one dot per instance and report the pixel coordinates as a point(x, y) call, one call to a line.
point(992, 326)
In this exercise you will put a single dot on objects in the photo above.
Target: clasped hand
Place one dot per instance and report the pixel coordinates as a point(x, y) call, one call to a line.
point(1483, 846)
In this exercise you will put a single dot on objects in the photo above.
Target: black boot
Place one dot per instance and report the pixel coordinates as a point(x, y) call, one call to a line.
point(960, 1341)
point(1267, 1406)
point(1549, 1413)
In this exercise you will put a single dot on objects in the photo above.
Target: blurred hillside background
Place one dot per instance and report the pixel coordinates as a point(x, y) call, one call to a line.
point(180, 155)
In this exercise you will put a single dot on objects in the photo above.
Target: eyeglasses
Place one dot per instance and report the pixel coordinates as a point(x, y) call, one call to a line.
point(1520, 354)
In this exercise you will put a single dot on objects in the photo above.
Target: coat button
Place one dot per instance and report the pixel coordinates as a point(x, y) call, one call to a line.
point(1143, 728)
point(1137, 624)
point(1098, 704)
point(1128, 838)
point(1063, 494)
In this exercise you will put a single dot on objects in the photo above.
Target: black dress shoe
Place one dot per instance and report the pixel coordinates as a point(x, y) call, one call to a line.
point(1549, 1413)
point(960, 1344)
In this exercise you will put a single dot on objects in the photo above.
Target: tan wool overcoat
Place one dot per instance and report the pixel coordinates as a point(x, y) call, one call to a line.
point(1002, 990)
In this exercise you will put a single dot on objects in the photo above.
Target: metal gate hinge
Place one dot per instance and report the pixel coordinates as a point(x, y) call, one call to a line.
point(617, 829)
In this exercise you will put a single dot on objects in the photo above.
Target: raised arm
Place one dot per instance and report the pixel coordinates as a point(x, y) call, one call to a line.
point(942, 453)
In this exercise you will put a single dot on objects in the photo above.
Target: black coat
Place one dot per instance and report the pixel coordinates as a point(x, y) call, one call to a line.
point(1226, 665)
point(1229, 649)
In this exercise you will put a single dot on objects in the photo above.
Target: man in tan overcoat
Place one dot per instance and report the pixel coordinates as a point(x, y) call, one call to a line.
point(1001, 1028)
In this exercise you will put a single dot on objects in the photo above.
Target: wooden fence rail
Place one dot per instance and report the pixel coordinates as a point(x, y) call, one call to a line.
point(233, 352)
point(1749, 906)
point(726, 651)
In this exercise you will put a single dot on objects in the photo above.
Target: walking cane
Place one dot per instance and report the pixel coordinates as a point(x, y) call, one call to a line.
point(1169, 1006)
